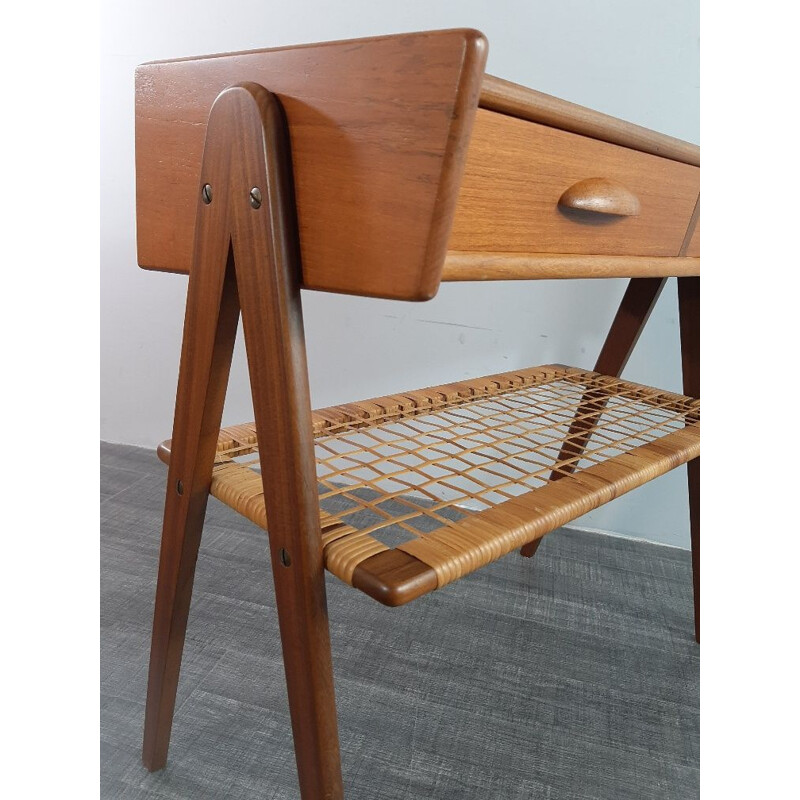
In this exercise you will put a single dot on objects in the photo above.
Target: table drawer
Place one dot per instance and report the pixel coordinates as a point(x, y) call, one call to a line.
point(514, 194)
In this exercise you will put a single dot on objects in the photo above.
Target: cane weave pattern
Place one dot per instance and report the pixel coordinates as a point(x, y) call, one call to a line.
point(460, 474)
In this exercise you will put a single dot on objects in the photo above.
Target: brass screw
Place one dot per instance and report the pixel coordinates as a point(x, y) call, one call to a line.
point(255, 197)
point(207, 193)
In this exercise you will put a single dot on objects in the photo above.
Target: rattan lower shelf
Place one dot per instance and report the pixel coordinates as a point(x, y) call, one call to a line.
point(420, 488)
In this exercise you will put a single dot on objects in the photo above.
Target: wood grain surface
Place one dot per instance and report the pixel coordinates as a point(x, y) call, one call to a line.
point(545, 266)
point(520, 101)
point(517, 170)
point(378, 128)
point(247, 256)
point(601, 196)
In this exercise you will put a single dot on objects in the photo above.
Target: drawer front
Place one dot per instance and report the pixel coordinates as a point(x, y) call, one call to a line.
point(517, 173)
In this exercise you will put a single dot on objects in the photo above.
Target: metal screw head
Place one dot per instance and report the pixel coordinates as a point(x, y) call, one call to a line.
point(285, 558)
point(255, 197)
point(179, 487)
point(207, 194)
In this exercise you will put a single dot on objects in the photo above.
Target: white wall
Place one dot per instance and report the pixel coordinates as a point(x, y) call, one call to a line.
point(636, 60)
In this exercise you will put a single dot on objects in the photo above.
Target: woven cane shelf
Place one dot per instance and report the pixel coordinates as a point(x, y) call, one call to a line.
point(421, 488)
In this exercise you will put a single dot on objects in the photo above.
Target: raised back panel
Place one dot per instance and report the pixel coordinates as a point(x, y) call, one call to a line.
point(379, 130)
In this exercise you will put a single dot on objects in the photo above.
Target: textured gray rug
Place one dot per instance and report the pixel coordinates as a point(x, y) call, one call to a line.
point(574, 675)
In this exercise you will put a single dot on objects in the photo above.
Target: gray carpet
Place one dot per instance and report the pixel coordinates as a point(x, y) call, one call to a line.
point(574, 675)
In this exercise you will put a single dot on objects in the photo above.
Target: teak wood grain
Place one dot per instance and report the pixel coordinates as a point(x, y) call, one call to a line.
point(394, 577)
point(532, 266)
point(212, 314)
point(249, 256)
point(520, 101)
point(601, 196)
point(379, 129)
point(516, 171)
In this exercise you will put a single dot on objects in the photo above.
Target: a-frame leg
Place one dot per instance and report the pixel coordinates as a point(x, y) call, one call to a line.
point(634, 310)
point(266, 251)
point(689, 305)
point(247, 164)
point(212, 314)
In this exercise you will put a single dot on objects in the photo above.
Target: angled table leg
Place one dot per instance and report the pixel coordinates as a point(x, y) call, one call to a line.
point(247, 243)
point(212, 314)
point(634, 310)
point(689, 304)
point(267, 255)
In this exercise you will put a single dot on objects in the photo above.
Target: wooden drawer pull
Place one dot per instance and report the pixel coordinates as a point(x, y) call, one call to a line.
point(602, 196)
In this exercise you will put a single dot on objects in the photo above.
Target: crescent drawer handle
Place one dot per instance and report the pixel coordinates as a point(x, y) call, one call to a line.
point(601, 196)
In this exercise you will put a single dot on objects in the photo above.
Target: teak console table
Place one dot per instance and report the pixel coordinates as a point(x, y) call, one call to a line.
point(381, 167)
